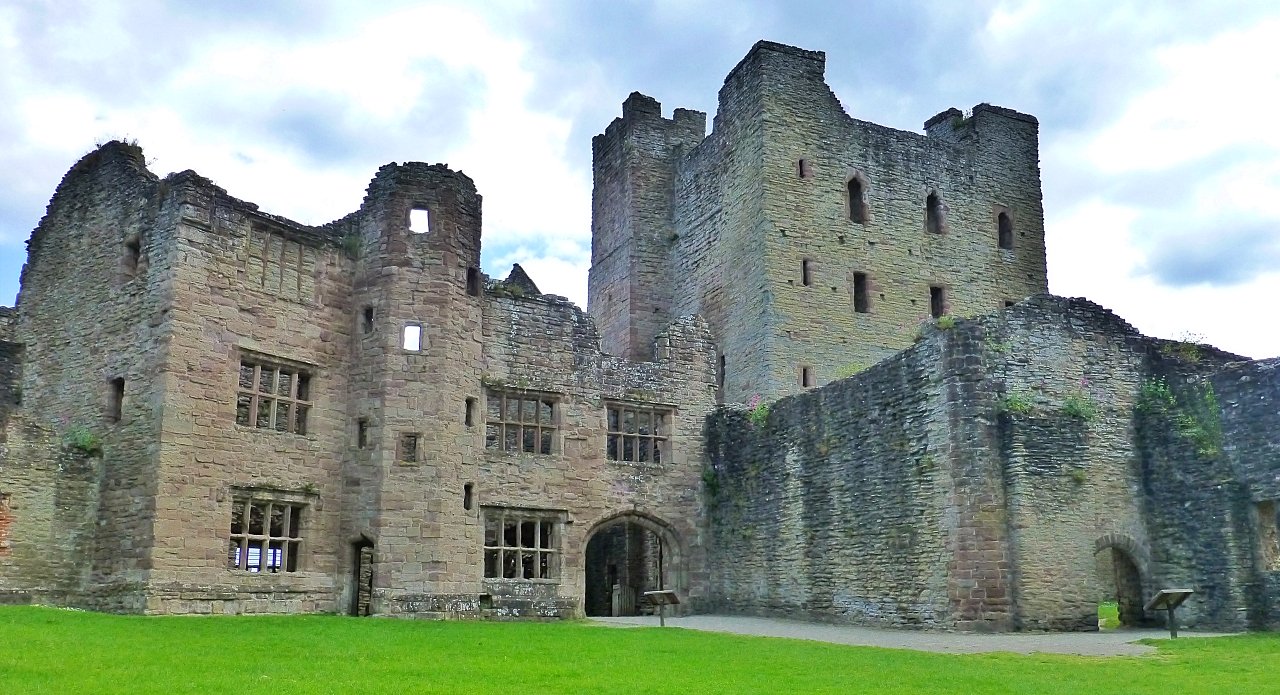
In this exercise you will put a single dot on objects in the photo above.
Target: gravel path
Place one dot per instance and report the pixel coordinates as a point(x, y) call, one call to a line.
point(1110, 643)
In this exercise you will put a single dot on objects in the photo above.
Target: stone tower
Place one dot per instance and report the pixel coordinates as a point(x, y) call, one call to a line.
point(813, 243)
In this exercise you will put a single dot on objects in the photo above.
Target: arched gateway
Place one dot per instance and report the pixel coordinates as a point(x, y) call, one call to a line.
point(626, 555)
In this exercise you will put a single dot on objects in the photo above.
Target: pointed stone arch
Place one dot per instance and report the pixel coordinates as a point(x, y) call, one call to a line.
point(627, 553)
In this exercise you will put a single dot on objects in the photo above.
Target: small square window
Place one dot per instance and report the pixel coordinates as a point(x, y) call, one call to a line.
point(419, 221)
point(408, 448)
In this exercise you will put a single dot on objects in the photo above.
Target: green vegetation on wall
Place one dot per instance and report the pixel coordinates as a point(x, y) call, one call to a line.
point(1192, 411)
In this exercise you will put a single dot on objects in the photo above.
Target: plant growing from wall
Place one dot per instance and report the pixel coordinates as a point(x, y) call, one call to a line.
point(1016, 403)
point(1193, 412)
point(850, 369)
point(1079, 404)
point(946, 322)
point(79, 438)
point(351, 244)
point(757, 411)
point(1077, 476)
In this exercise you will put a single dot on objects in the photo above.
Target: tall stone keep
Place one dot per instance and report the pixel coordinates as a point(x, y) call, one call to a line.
point(814, 244)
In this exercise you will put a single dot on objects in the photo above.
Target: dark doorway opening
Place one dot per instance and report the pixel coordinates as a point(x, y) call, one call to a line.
point(1122, 604)
point(362, 584)
point(624, 560)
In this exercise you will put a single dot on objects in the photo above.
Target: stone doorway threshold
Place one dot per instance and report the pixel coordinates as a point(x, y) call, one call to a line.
point(1108, 643)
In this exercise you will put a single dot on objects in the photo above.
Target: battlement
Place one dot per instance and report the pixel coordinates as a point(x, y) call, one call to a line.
point(813, 63)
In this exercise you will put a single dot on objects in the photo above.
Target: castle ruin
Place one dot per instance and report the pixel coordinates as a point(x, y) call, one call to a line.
point(207, 408)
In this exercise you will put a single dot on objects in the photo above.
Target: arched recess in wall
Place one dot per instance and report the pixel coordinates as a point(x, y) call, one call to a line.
point(626, 555)
point(855, 197)
point(1004, 230)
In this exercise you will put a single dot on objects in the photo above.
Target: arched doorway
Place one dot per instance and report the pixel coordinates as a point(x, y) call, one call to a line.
point(627, 555)
point(1121, 604)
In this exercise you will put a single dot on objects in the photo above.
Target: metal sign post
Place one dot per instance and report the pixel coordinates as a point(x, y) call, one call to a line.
point(662, 599)
point(1169, 599)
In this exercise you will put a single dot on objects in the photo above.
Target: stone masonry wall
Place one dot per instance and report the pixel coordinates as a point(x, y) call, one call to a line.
point(92, 310)
point(836, 506)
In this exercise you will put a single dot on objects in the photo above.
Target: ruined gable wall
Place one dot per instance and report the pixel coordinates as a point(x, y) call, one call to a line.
point(247, 284)
point(91, 309)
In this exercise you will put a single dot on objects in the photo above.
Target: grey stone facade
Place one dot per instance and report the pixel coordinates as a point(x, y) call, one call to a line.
point(207, 408)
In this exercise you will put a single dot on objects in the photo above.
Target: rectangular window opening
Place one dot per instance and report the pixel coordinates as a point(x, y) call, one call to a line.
point(638, 433)
point(362, 433)
point(806, 377)
point(473, 282)
point(521, 544)
point(115, 399)
point(419, 221)
point(266, 535)
point(466, 496)
point(469, 417)
point(412, 338)
point(272, 397)
point(132, 253)
point(937, 301)
point(366, 323)
point(408, 449)
point(803, 169)
point(806, 272)
point(861, 297)
point(520, 422)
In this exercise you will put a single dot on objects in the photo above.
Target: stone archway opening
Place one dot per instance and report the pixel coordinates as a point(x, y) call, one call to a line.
point(625, 557)
point(1121, 603)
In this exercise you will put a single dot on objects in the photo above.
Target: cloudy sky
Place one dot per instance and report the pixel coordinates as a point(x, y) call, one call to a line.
point(1161, 174)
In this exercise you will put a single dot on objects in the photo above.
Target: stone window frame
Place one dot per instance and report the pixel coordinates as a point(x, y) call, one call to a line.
point(806, 376)
point(860, 291)
point(510, 431)
point(522, 545)
point(427, 219)
point(251, 399)
point(409, 448)
point(420, 335)
point(942, 306)
point(280, 549)
point(633, 444)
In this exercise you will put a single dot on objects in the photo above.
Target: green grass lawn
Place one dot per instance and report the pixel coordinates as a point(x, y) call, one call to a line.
point(47, 650)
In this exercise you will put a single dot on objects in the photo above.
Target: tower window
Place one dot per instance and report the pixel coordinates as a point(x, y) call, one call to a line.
point(473, 282)
point(115, 399)
point(933, 213)
point(806, 376)
point(419, 221)
point(806, 272)
point(861, 299)
point(132, 252)
point(412, 338)
point(362, 433)
point(804, 169)
point(366, 323)
point(857, 202)
point(1005, 228)
point(937, 301)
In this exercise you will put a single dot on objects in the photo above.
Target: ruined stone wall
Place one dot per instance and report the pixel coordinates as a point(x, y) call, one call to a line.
point(1068, 374)
point(48, 515)
point(837, 505)
point(1247, 394)
point(92, 310)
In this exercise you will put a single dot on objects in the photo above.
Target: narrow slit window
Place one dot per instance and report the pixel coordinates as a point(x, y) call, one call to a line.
point(857, 202)
point(473, 282)
point(861, 298)
point(132, 253)
point(806, 272)
point(469, 417)
point(419, 221)
point(806, 376)
point(1004, 227)
point(933, 213)
point(937, 301)
point(115, 399)
point(804, 169)
point(466, 496)
point(366, 321)
point(362, 433)
point(412, 341)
